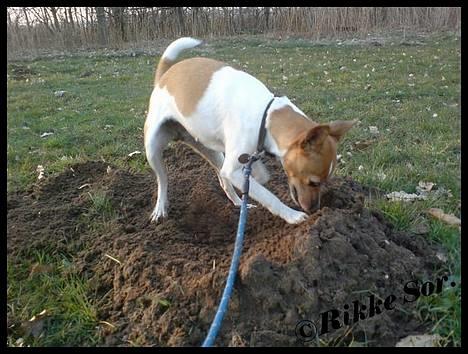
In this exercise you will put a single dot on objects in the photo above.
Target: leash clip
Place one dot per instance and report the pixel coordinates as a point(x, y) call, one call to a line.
point(246, 158)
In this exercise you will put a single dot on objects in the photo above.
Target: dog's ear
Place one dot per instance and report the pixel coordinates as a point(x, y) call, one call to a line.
point(339, 127)
point(315, 137)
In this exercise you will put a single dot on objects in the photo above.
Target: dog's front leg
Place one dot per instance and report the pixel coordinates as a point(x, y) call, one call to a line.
point(263, 195)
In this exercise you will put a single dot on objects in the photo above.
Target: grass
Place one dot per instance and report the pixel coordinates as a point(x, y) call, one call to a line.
point(410, 93)
point(101, 205)
point(46, 282)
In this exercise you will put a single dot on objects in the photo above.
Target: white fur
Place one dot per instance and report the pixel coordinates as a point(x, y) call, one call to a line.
point(226, 120)
point(174, 49)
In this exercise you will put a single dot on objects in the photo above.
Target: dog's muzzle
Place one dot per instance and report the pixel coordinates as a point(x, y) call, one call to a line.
point(295, 198)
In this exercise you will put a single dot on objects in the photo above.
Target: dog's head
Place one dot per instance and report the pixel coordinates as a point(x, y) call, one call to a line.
point(310, 161)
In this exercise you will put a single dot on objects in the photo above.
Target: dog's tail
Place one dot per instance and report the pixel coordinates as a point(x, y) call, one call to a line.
point(171, 53)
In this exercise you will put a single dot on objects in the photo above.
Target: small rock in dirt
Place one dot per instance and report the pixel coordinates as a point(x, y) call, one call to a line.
point(59, 93)
point(129, 229)
point(40, 170)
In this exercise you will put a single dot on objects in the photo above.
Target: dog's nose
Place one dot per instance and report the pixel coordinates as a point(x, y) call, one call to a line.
point(312, 207)
point(308, 207)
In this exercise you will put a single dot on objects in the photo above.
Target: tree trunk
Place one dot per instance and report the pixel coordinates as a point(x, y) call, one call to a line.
point(8, 17)
point(78, 20)
point(28, 24)
point(195, 21)
point(46, 20)
point(102, 27)
point(70, 18)
point(119, 22)
point(241, 18)
point(56, 21)
point(86, 25)
point(180, 18)
point(267, 18)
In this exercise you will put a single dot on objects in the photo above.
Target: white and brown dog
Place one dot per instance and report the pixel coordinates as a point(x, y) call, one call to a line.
point(217, 110)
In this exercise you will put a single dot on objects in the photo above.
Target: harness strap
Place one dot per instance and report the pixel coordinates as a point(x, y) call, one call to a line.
point(262, 131)
point(244, 158)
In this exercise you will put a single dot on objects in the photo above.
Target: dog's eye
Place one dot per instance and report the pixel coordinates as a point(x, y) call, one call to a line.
point(314, 184)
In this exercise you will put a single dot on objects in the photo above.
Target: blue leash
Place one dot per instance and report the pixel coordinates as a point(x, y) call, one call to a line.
point(223, 304)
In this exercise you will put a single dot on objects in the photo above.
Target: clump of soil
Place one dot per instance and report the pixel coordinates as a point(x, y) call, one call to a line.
point(166, 290)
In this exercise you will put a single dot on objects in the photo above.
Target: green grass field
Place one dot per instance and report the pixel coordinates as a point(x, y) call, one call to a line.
point(411, 93)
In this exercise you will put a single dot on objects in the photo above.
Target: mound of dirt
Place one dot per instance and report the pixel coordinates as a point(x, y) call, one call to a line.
point(167, 286)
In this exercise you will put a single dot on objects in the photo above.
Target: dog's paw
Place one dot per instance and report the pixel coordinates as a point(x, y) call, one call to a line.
point(158, 215)
point(296, 217)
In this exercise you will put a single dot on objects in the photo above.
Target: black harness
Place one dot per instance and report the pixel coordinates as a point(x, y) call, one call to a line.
point(244, 158)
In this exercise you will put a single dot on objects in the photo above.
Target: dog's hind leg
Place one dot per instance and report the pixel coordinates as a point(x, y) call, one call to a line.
point(157, 138)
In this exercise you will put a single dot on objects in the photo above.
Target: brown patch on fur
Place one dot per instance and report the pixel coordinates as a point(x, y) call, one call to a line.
point(187, 81)
point(163, 66)
point(310, 164)
point(309, 151)
point(314, 138)
point(339, 127)
point(286, 125)
point(303, 164)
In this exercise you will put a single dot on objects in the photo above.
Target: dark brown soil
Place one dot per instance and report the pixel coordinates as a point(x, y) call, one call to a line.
point(166, 290)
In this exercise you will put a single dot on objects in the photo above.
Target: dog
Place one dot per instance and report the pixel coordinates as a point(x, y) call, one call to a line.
point(217, 110)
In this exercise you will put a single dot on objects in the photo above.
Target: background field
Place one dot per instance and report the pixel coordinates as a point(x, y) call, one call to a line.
point(409, 90)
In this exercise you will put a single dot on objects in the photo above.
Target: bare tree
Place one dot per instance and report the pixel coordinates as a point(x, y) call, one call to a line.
point(118, 20)
point(241, 19)
point(102, 25)
point(180, 18)
point(53, 10)
point(267, 17)
point(43, 27)
point(70, 18)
